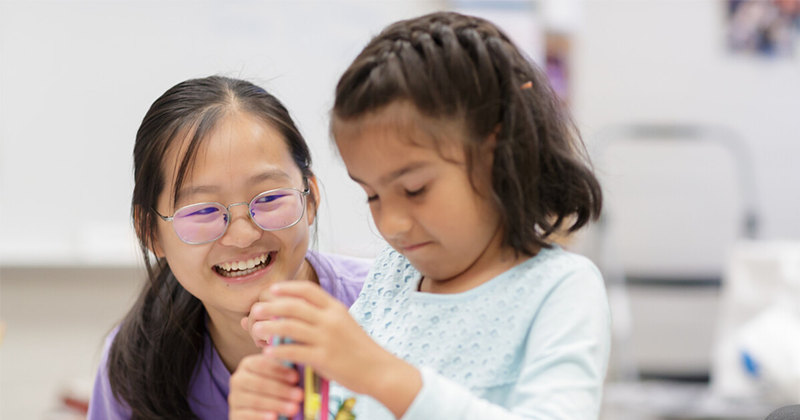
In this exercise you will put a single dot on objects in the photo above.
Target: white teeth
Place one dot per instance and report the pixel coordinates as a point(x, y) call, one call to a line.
point(241, 266)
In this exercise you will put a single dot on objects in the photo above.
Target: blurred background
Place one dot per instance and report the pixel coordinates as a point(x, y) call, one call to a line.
point(690, 111)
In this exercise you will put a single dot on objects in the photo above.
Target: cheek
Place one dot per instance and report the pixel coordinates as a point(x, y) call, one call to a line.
point(188, 264)
point(294, 240)
point(375, 211)
point(464, 217)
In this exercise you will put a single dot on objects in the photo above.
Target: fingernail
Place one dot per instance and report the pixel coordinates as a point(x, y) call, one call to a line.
point(297, 394)
point(270, 416)
point(291, 376)
point(275, 287)
point(290, 408)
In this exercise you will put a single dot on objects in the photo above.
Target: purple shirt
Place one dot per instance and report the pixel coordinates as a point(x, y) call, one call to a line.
point(340, 276)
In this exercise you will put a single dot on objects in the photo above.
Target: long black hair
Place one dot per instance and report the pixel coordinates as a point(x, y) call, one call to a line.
point(155, 353)
point(464, 68)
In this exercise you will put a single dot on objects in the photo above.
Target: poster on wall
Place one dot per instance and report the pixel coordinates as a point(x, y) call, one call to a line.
point(769, 28)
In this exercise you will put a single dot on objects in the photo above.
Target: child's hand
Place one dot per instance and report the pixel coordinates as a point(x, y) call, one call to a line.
point(261, 388)
point(327, 338)
point(257, 315)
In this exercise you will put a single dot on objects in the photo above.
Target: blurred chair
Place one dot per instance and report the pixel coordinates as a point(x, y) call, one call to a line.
point(676, 197)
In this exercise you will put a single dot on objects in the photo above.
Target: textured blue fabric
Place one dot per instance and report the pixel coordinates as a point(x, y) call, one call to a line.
point(532, 343)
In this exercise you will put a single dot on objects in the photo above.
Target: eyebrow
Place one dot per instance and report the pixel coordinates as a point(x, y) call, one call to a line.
point(411, 167)
point(271, 174)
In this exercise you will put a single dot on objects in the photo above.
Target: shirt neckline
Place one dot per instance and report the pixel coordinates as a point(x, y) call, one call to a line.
point(478, 290)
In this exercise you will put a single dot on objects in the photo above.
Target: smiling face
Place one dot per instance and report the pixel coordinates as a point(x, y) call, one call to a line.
point(420, 195)
point(240, 158)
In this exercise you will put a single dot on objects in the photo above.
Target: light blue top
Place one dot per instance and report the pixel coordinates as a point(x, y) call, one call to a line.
point(532, 343)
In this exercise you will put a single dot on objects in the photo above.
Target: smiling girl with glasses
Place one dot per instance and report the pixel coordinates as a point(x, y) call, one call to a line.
point(203, 143)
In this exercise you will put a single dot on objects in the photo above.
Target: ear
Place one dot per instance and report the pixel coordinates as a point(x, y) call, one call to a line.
point(312, 204)
point(155, 245)
point(490, 144)
point(488, 147)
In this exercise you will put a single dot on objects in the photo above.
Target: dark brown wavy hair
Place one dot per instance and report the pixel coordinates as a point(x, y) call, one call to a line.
point(463, 68)
point(156, 351)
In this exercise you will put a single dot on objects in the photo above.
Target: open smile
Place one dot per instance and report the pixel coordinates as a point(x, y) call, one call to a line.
point(243, 268)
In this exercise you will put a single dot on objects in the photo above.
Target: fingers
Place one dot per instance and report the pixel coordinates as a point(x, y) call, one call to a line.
point(245, 402)
point(265, 295)
point(285, 307)
point(306, 290)
point(267, 367)
point(262, 387)
point(298, 331)
point(297, 353)
point(262, 393)
point(247, 414)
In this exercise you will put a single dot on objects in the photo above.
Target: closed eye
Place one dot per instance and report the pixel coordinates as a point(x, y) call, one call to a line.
point(371, 198)
point(203, 211)
point(415, 193)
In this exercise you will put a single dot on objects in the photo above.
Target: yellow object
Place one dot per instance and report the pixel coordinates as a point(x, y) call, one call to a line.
point(311, 402)
point(346, 410)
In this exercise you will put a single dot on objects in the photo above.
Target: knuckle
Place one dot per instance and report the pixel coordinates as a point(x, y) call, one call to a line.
point(258, 330)
point(236, 380)
point(259, 311)
point(248, 361)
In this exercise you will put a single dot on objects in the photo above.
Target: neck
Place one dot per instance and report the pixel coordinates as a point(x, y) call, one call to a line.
point(307, 272)
point(493, 261)
point(232, 342)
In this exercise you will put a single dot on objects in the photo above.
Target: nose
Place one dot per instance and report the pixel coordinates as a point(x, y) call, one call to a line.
point(393, 222)
point(242, 231)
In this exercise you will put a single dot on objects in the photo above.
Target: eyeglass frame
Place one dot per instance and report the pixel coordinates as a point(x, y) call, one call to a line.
point(303, 195)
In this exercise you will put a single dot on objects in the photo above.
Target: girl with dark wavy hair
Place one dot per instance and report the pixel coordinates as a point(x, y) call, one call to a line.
point(469, 164)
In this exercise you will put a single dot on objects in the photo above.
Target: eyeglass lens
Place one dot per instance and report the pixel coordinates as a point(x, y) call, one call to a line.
point(206, 222)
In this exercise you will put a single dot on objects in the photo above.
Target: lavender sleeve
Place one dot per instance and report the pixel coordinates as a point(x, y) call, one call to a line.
point(341, 276)
point(103, 405)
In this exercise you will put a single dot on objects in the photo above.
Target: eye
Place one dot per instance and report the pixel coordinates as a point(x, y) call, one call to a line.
point(203, 211)
point(371, 198)
point(269, 198)
point(415, 193)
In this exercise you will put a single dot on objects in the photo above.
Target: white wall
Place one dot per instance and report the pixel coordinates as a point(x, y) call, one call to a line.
point(667, 61)
point(77, 77)
point(673, 207)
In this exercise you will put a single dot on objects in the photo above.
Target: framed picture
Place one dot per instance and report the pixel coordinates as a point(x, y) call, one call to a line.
point(763, 27)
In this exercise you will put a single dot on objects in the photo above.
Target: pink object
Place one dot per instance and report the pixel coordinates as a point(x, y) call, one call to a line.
point(324, 409)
